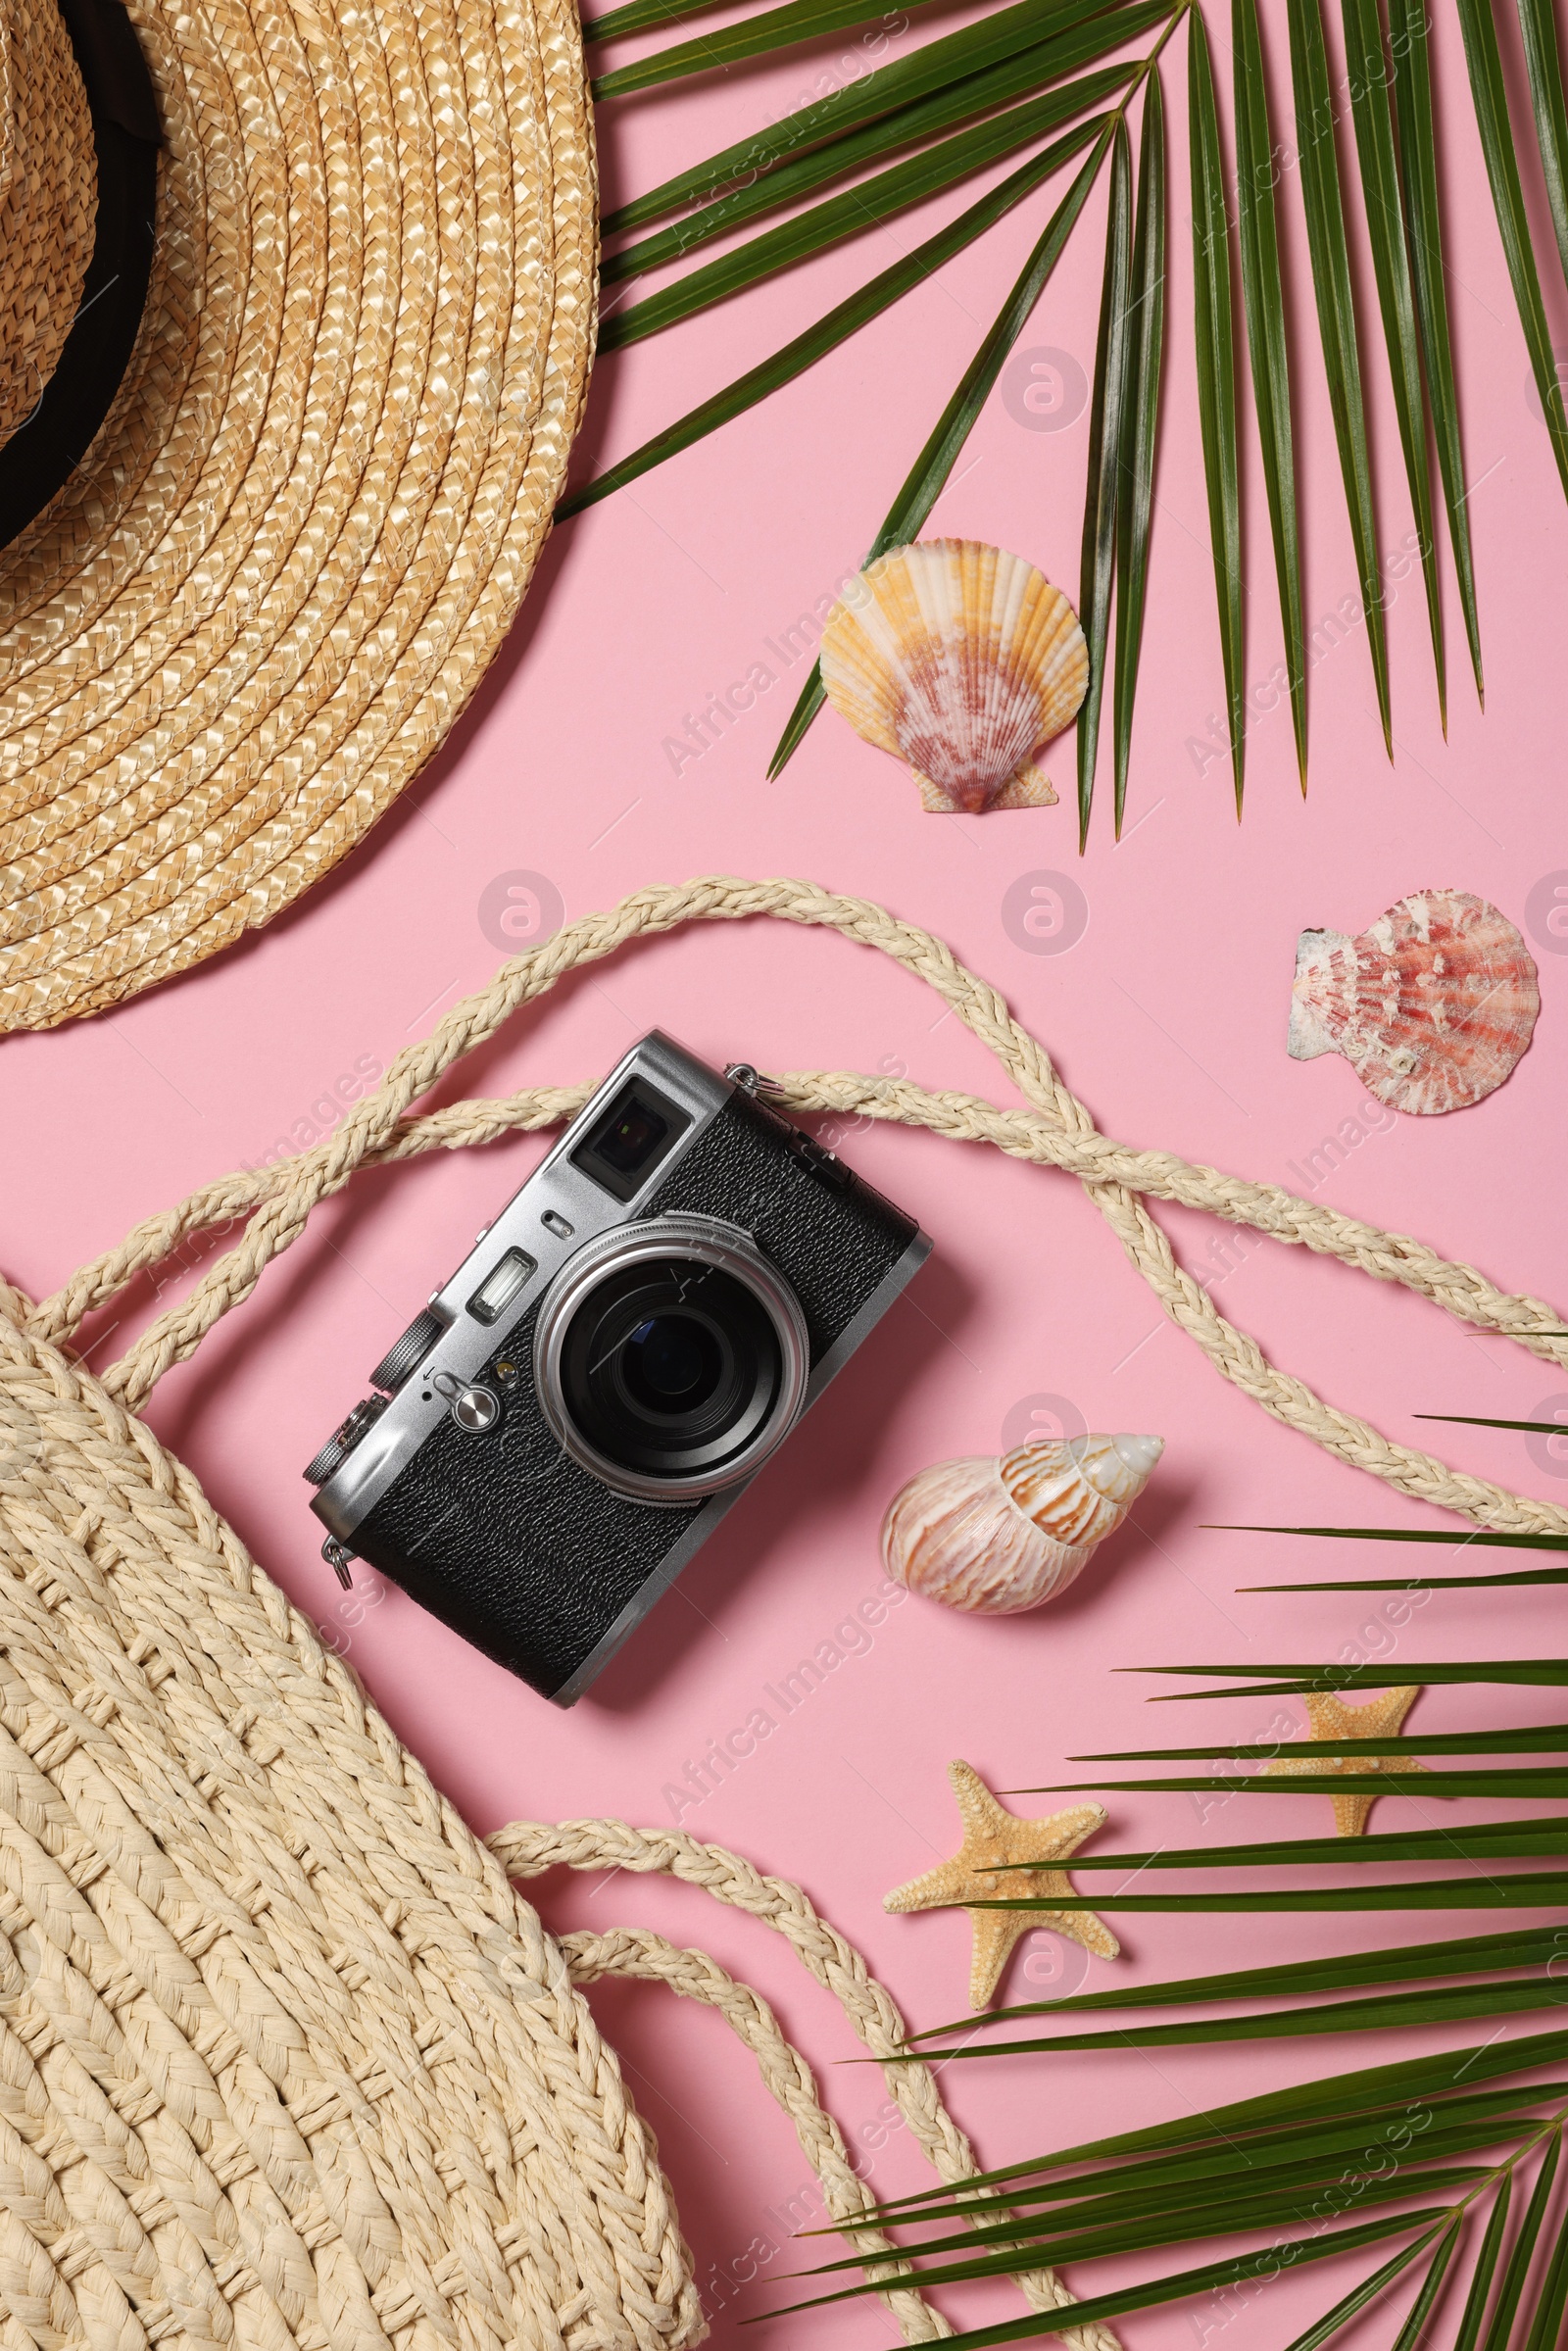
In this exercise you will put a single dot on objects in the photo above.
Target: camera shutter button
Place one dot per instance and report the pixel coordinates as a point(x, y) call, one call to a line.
point(473, 1407)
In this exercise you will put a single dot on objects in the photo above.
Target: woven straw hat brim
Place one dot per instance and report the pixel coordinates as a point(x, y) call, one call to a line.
point(262, 600)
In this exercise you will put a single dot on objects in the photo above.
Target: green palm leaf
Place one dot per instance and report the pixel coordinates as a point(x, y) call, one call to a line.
point(858, 209)
point(1471, 1842)
point(1305, 2157)
point(1528, 1576)
point(1527, 1739)
point(765, 35)
point(1511, 2291)
point(1361, 2096)
point(1543, 63)
point(1238, 2159)
point(1493, 120)
point(1535, 1673)
point(1163, 2204)
point(1294, 2253)
point(840, 323)
point(1216, 375)
point(1388, 2012)
point(1536, 1891)
point(954, 62)
point(1466, 1538)
point(1476, 1420)
point(1413, 2333)
point(1418, 166)
point(1263, 300)
point(922, 485)
point(1333, 2321)
point(1545, 2327)
point(1380, 2136)
point(1475, 2308)
point(1113, 353)
point(1348, 1971)
point(1335, 312)
point(640, 16)
point(1476, 1537)
point(1366, 2098)
point(1135, 494)
point(1542, 1781)
point(1372, 115)
point(1232, 2216)
point(851, 150)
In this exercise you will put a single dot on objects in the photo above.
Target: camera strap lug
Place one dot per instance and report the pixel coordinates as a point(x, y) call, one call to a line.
point(752, 1081)
point(340, 1559)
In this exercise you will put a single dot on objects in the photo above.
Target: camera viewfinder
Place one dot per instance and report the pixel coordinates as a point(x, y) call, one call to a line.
point(638, 1130)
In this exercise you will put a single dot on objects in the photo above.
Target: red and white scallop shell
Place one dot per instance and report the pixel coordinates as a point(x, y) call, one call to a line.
point(1432, 1006)
point(961, 661)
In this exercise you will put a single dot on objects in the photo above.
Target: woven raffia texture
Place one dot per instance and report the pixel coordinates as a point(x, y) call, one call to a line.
point(48, 200)
point(260, 604)
point(284, 2056)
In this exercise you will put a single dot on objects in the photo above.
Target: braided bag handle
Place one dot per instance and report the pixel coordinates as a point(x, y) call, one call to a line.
point(526, 1848)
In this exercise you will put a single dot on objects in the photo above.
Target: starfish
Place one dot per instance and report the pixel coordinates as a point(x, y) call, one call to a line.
point(993, 1837)
point(1329, 1717)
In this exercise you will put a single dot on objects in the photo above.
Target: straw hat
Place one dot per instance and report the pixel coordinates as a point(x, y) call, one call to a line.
point(331, 273)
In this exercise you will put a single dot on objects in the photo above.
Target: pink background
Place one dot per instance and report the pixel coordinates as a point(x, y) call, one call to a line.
point(1168, 1014)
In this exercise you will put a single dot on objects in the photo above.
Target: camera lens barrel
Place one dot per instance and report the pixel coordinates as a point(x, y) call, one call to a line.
point(670, 1357)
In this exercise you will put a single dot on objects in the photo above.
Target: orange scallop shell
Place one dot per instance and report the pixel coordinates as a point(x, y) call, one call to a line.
point(962, 661)
point(1432, 1006)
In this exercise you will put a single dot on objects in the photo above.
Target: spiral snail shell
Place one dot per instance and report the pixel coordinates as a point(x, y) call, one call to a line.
point(996, 1537)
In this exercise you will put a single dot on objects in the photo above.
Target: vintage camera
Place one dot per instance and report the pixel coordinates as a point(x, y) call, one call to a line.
point(620, 1352)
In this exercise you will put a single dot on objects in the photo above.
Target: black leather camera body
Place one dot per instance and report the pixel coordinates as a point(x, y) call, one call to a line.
point(564, 1426)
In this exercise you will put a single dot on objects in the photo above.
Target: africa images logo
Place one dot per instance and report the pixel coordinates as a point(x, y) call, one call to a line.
point(519, 910)
point(1045, 913)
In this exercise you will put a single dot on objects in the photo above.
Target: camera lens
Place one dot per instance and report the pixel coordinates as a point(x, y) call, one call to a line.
point(671, 1358)
point(672, 1362)
point(670, 1369)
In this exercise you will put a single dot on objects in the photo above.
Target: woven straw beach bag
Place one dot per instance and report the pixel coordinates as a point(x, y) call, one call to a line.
point(296, 315)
